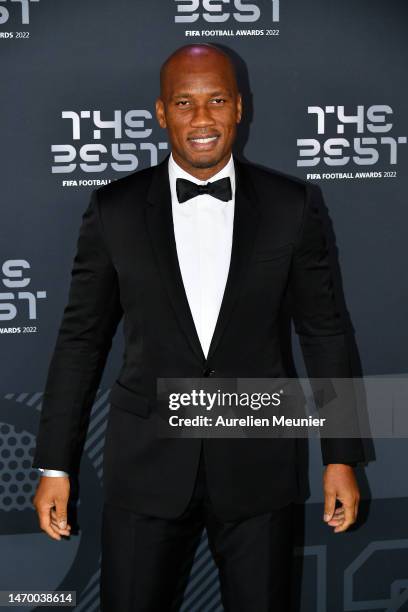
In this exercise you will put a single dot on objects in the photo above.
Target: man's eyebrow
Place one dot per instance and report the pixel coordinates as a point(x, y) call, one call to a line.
point(213, 94)
point(224, 92)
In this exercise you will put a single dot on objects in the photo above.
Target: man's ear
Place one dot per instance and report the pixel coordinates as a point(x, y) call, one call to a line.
point(160, 114)
point(239, 108)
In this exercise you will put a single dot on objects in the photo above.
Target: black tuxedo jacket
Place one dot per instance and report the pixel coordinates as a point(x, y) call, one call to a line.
point(126, 266)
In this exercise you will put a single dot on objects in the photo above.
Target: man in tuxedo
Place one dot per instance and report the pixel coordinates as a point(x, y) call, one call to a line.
point(197, 255)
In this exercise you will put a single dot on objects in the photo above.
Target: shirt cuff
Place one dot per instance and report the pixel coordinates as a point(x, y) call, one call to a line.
point(46, 472)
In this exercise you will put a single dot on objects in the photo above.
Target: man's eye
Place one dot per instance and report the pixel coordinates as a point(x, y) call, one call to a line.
point(218, 100)
point(182, 102)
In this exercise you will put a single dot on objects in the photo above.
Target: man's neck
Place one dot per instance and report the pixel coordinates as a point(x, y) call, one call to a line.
point(202, 174)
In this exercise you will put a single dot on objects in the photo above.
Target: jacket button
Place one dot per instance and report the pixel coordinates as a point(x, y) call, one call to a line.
point(208, 372)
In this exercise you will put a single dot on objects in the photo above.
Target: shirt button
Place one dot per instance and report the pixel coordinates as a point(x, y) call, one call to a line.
point(208, 372)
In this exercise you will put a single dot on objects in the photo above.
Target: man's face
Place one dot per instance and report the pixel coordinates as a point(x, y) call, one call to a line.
point(200, 106)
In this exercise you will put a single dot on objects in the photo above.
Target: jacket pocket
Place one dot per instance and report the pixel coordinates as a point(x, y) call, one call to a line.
point(126, 399)
point(272, 253)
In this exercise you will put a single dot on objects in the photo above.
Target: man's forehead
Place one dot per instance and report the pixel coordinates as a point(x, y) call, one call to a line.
point(198, 82)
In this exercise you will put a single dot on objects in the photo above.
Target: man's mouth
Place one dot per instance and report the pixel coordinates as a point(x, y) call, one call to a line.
point(203, 143)
point(204, 140)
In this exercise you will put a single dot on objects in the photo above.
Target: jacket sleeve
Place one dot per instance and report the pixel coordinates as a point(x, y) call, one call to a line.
point(320, 318)
point(84, 339)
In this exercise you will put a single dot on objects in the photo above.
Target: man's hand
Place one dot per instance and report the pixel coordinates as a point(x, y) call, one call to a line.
point(50, 501)
point(339, 482)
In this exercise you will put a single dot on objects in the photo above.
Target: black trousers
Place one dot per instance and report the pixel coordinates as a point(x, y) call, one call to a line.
point(146, 561)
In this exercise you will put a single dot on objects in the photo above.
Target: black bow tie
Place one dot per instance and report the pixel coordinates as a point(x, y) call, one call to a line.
point(220, 189)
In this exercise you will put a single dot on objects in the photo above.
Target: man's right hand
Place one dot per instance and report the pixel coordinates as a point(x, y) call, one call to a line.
point(50, 502)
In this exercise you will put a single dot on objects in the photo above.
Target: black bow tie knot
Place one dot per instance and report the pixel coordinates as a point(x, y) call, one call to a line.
point(220, 189)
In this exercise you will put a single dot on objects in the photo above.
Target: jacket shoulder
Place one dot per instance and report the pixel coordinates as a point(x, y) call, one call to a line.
point(264, 177)
point(283, 189)
point(136, 183)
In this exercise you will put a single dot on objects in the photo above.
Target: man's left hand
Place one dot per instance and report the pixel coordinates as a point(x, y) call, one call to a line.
point(339, 482)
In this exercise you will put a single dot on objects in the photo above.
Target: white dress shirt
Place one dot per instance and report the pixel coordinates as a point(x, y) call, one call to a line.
point(203, 233)
point(203, 229)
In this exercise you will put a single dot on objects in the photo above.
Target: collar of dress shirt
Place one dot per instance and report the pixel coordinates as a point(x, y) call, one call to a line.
point(175, 172)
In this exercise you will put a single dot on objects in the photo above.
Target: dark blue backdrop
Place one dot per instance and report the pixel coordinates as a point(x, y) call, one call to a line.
point(325, 98)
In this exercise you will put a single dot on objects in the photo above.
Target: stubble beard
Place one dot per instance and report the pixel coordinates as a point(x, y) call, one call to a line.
point(206, 164)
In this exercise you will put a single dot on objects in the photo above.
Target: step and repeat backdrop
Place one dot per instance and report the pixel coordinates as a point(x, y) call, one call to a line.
point(325, 99)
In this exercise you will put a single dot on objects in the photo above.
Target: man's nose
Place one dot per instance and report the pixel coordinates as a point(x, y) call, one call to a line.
point(202, 117)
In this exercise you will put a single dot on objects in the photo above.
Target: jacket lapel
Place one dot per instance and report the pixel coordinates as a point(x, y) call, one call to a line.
point(160, 226)
point(246, 219)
